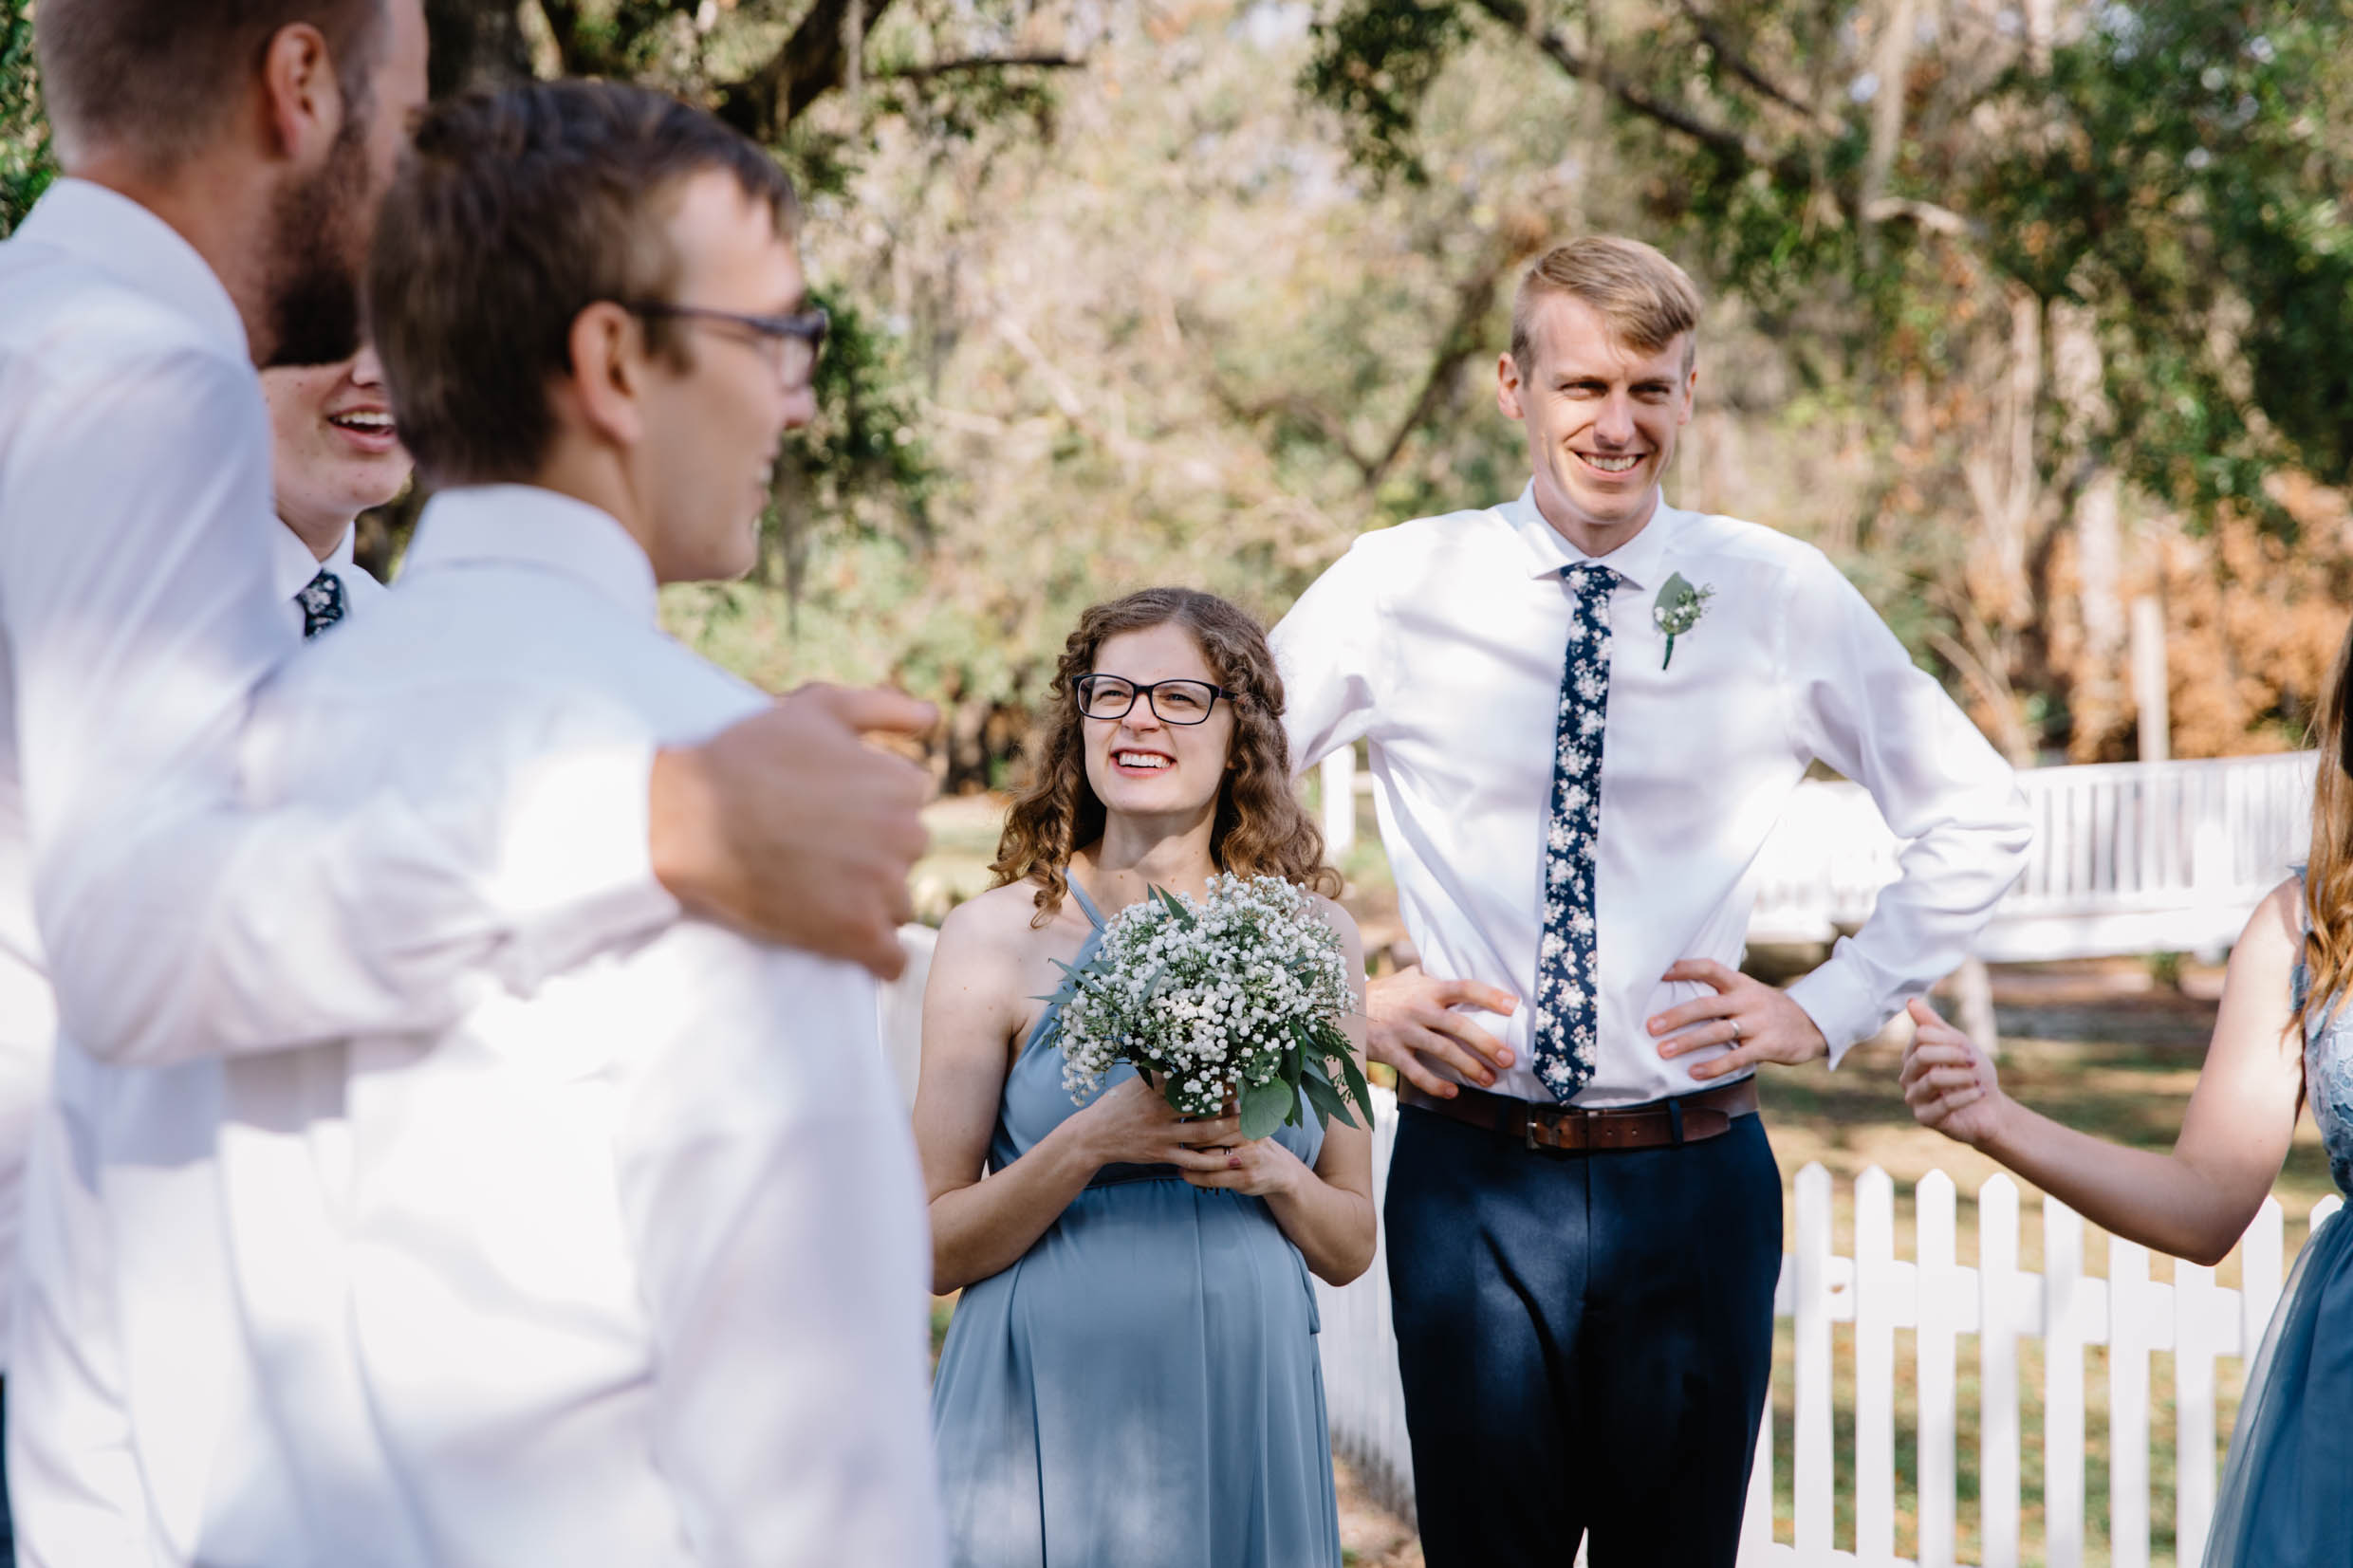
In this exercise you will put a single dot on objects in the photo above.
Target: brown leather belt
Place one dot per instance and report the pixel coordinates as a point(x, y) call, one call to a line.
point(1686, 1118)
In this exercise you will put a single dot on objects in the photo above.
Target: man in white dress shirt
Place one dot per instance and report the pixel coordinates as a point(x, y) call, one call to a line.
point(1586, 710)
point(632, 1270)
point(335, 452)
point(223, 164)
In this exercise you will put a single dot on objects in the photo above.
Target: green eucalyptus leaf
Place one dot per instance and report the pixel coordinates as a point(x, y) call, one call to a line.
point(1326, 1099)
point(1359, 1090)
point(1265, 1108)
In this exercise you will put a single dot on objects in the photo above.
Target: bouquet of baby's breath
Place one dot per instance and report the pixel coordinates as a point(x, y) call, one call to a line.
point(1242, 992)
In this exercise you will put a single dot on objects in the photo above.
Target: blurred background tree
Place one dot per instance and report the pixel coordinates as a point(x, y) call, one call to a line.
point(2023, 310)
point(25, 166)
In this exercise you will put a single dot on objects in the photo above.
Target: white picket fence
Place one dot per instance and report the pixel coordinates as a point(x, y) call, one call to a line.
point(1940, 1300)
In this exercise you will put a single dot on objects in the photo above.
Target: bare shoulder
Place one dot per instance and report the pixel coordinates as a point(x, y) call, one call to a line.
point(2274, 933)
point(1334, 916)
point(993, 925)
point(2263, 961)
point(1342, 922)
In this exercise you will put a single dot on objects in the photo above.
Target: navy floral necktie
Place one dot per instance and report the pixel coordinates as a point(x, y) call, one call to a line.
point(1567, 973)
point(321, 599)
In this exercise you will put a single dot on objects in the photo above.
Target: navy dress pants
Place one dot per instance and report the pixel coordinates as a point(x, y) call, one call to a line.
point(1586, 1340)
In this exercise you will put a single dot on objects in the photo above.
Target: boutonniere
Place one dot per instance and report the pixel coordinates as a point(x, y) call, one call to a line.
point(1677, 609)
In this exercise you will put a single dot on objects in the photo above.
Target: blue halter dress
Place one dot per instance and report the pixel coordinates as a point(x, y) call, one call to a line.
point(2287, 1494)
point(1141, 1390)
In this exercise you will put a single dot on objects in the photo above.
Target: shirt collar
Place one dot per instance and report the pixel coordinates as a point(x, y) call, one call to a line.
point(525, 526)
point(1640, 560)
point(294, 566)
point(110, 232)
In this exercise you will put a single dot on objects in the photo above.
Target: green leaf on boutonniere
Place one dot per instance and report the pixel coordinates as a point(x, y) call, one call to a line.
point(1677, 609)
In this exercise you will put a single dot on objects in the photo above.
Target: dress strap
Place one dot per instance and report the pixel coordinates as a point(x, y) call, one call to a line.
point(1084, 902)
point(2302, 978)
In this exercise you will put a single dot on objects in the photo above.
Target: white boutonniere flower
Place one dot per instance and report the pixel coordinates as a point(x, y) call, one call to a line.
point(1677, 609)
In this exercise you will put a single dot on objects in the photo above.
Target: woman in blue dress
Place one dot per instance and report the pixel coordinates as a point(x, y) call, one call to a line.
point(1130, 1379)
point(2282, 1040)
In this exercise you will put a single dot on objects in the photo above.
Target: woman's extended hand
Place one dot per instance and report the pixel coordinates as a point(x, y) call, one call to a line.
point(1132, 1123)
point(1261, 1167)
point(1948, 1081)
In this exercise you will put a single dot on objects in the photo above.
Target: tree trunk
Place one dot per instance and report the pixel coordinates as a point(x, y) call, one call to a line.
point(2098, 702)
point(1972, 995)
point(475, 44)
point(2004, 480)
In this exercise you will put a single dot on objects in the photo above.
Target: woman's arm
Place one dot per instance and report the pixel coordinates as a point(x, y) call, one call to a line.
point(1327, 1210)
point(2196, 1202)
point(972, 1011)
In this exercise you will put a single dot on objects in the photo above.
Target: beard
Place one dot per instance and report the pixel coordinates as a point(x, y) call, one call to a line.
point(318, 246)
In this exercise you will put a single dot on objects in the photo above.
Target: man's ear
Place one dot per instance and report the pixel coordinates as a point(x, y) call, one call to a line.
point(1508, 386)
point(607, 347)
point(303, 101)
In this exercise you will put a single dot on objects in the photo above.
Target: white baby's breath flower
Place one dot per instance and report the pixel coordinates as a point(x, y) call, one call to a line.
point(1211, 1003)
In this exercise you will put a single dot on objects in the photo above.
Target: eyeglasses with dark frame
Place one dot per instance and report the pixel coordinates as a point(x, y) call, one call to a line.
point(1171, 701)
point(791, 344)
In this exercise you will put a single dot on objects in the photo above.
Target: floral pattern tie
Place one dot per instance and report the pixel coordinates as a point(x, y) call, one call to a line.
point(321, 599)
point(1568, 975)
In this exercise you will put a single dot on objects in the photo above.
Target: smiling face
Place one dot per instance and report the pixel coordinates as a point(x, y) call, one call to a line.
point(1141, 765)
point(335, 449)
point(1602, 418)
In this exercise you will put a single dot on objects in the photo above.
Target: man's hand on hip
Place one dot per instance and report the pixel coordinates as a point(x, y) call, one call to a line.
point(1412, 1025)
point(1760, 1023)
point(791, 828)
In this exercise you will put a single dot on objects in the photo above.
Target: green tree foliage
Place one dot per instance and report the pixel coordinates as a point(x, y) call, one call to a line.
point(2194, 172)
point(1129, 291)
point(25, 164)
point(2074, 272)
point(2179, 166)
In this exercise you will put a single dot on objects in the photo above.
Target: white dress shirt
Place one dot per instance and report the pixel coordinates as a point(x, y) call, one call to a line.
point(632, 1271)
point(138, 897)
point(1442, 641)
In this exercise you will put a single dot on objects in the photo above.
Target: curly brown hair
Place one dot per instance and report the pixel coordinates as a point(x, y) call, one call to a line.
point(1260, 830)
point(2328, 891)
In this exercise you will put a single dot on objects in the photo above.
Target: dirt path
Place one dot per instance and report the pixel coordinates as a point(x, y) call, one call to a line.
point(1370, 1536)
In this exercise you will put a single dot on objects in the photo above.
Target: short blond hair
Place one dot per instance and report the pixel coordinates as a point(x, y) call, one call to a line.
point(1647, 301)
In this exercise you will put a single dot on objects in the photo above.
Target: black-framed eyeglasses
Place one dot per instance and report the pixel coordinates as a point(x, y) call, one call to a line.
point(1171, 701)
point(791, 343)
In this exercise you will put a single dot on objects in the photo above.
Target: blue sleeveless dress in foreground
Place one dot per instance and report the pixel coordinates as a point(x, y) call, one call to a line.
point(1141, 1389)
point(2287, 1494)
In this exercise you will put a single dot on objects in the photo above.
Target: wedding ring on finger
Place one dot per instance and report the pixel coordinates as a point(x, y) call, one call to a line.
point(1735, 1023)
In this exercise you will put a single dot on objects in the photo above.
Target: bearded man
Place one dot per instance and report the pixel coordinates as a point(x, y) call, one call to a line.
point(223, 164)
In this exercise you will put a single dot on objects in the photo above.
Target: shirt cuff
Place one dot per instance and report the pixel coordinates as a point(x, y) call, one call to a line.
point(1841, 1009)
point(576, 867)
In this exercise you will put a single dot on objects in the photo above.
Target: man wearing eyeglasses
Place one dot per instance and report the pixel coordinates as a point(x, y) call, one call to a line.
point(631, 1270)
